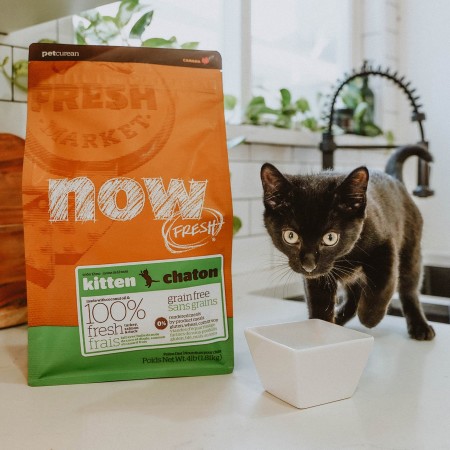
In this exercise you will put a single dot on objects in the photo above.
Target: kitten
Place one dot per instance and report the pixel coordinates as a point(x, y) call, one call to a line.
point(360, 231)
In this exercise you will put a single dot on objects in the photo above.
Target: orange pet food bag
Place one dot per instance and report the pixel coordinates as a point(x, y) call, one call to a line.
point(127, 215)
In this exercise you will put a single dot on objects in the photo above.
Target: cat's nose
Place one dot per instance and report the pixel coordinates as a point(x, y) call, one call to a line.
point(309, 262)
point(309, 268)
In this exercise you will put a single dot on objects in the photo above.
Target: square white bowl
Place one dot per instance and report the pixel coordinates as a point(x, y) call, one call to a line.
point(309, 363)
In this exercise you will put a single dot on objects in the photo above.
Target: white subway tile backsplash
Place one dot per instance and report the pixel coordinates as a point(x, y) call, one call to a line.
point(310, 156)
point(245, 180)
point(5, 84)
point(20, 55)
point(239, 153)
point(349, 158)
point(16, 114)
point(272, 153)
point(241, 209)
point(252, 254)
point(256, 216)
point(289, 168)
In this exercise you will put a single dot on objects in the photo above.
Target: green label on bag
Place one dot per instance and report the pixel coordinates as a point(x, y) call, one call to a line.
point(154, 304)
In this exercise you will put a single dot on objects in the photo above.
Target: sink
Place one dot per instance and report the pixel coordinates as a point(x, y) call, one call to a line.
point(435, 294)
point(436, 281)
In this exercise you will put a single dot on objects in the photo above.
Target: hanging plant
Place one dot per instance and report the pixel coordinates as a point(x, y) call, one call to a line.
point(126, 27)
point(19, 73)
point(19, 70)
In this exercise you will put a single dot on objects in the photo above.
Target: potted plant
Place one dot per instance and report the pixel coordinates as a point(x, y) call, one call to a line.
point(288, 114)
point(356, 116)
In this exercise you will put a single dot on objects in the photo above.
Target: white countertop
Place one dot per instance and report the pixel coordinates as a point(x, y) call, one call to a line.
point(402, 401)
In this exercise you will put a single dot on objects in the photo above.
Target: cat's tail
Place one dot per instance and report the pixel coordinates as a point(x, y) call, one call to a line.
point(394, 165)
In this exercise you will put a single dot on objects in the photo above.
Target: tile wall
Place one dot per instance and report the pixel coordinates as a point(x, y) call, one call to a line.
point(14, 47)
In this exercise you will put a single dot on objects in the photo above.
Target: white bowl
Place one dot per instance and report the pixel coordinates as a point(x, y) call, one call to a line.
point(309, 363)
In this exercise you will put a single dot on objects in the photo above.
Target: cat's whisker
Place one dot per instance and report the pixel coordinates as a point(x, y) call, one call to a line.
point(272, 261)
point(362, 285)
point(330, 280)
point(342, 271)
point(287, 283)
point(280, 272)
point(361, 249)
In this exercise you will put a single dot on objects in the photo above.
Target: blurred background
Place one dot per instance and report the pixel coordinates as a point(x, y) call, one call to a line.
point(280, 62)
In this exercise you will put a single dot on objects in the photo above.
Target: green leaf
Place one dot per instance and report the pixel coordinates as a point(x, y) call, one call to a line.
point(283, 121)
point(237, 224)
point(126, 10)
point(257, 101)
point(47, 41)
point(91, 36)
point(106, 30)
point(20, 68)
point(92, 16)
point(289, 110)
point(390, 138)
point(141, 25)
point(370, 129)
point(360, 111)
point(255, 109)
point(302, 105)
point(351, 95)
point(3, 69)
point(310, 123)
point(253, 114)
point(230, 102)
point(19, 76)
point(80, 37)
point(159, 42)
point(190, 45)
point(285, 97)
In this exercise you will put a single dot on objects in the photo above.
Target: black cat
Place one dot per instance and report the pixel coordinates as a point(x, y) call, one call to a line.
point(359, 231)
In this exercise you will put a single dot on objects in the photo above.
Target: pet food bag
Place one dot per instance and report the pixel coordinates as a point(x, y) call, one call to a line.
point(127, 215)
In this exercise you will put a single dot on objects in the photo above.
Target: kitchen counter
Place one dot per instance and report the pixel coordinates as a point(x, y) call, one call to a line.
point(402, 400)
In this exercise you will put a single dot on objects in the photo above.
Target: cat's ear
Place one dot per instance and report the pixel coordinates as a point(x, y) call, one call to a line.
point(351, 193)
point(275, 186)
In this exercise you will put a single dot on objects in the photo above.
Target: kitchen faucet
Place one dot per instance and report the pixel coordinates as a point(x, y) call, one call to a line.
point(328, 145)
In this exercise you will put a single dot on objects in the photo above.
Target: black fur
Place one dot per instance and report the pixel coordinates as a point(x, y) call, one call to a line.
point(378, 249)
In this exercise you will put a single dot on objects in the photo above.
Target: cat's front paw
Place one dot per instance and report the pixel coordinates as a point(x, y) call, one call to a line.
point(421, 331)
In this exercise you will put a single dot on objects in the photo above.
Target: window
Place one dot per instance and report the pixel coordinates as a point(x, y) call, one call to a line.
point(298, 45)
point(193, 20)
point(265, 44)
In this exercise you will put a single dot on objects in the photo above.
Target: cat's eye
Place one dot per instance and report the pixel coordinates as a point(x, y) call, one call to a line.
point(290, 237)
point(331, 238)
